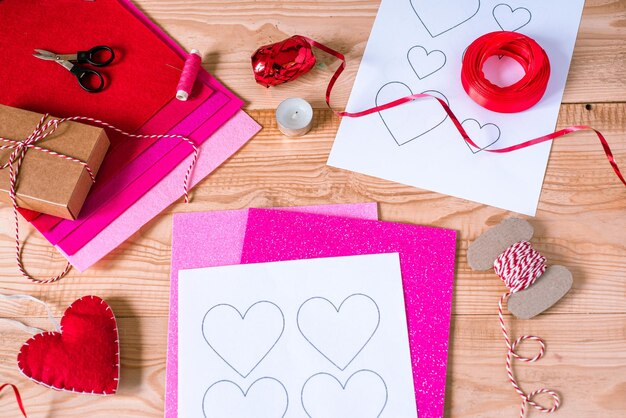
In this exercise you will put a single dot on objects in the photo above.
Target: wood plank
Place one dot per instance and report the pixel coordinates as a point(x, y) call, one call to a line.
point(585, 362)
point(228, 32)
point(580, 223)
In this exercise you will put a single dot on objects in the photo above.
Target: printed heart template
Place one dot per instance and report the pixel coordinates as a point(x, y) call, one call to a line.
point(440, 16)
point(83, 357)
point(425, 63)
point(511, 19)
point(364, 395)
point(396, 119)
point(483, 135)
point(243, 341)
point(265, 397)
point(339, 334)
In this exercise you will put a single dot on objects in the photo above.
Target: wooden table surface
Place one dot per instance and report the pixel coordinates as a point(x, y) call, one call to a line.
point(581, 222)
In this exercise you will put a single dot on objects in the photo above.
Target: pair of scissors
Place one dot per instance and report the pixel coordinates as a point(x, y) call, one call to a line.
point(89, 80)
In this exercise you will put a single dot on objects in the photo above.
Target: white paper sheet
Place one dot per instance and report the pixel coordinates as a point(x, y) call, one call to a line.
point(417, 46)
point(322, 338)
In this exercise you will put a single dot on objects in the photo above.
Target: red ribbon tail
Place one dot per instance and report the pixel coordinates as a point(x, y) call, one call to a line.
point(18, 398)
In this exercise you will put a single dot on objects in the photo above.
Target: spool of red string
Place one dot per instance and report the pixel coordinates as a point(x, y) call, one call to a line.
point(520, 95)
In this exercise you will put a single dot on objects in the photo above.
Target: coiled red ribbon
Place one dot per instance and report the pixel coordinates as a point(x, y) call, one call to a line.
point(287, 60)
point(519, 96)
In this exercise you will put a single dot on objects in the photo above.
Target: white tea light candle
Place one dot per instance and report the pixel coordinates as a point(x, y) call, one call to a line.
point(294, 117)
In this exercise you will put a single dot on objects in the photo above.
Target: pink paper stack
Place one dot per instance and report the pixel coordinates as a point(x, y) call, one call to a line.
point(136, 183)
point(427, 262)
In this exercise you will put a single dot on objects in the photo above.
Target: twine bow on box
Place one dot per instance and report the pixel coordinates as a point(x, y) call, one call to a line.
point(45, 129)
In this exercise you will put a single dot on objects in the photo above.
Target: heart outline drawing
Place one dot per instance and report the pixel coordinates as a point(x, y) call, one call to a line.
point(343, 388)
point(243, 317)
point(480, 127)
point(437, 52)
point(246, 392)
point(337, 310)
point(457, 24)
point(431, 92)
point(512, 12)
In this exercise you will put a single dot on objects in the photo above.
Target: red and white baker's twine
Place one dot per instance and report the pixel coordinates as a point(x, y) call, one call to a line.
point(41, 131)
point(518, 267)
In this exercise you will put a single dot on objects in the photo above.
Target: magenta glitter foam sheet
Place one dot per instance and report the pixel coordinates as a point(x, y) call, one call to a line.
point(427, 259)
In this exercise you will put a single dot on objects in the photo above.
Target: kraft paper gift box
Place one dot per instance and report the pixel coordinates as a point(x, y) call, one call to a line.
point(47, 183)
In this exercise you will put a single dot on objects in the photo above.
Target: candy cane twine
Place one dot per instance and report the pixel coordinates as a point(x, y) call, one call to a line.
point(43, 130)
point(518, 267)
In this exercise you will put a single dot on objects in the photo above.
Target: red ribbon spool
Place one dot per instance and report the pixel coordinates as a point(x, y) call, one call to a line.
point(519, 96)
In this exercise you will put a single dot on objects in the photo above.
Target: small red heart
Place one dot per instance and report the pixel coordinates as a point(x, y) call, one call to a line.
point(83, 357)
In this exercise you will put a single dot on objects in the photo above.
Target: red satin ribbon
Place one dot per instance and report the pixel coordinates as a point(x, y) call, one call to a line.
point(517, 97)
point(519, 47)
point(18, 398)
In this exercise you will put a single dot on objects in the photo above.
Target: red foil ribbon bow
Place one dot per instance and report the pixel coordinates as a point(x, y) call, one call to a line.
point(283, 61)
point(287, 60)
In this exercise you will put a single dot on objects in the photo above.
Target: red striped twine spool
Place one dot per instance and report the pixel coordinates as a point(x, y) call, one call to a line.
point(518, 267)
point(189, 75)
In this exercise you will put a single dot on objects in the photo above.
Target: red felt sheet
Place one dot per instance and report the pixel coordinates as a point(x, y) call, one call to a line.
point(139, 82)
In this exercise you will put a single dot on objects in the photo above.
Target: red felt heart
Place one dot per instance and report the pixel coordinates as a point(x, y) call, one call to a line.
point(83, 357)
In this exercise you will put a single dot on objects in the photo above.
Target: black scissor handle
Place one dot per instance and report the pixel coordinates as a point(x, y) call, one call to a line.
point(89, 56)
point(86, 78)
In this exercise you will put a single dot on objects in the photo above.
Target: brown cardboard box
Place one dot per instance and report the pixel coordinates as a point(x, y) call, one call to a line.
point(47, 183)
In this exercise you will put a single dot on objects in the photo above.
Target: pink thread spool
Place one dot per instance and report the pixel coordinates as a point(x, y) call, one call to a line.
point(188, 76)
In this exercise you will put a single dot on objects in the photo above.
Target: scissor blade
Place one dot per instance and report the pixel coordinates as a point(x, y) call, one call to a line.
point(44, 55)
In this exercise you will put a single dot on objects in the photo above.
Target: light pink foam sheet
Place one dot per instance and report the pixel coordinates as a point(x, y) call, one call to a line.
point(106, 202)
point(222, 145)
point(427, 257)
point(209, 239)
point(111, 210)
point(119, 156)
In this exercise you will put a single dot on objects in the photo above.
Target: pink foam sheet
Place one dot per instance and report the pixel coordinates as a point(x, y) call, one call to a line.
point(224, 143)
point(427, 257)
point(109, 211)
point(208, 239)
point(108, 200)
